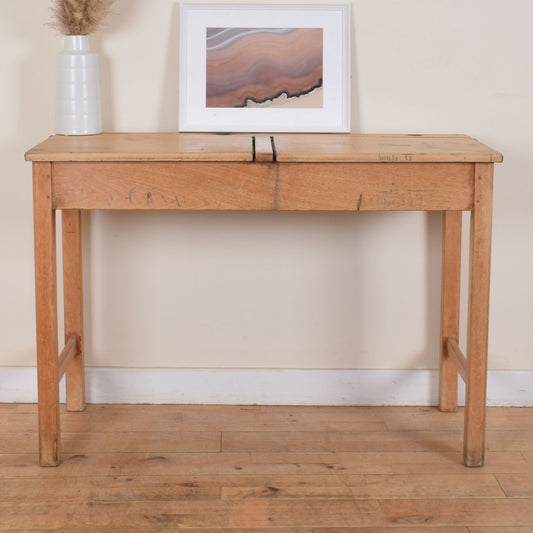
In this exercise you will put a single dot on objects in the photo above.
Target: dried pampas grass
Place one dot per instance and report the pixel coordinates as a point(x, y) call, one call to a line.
point(79, 17)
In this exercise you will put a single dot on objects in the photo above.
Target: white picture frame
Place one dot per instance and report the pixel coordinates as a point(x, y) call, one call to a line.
point(329, 111)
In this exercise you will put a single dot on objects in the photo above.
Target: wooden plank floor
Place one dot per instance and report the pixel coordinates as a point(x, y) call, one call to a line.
point(236, 469)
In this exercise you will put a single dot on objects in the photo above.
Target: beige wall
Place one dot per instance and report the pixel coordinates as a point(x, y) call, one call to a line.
point(280, 290)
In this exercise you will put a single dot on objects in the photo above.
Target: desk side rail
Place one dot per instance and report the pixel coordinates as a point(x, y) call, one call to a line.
point(263, 186)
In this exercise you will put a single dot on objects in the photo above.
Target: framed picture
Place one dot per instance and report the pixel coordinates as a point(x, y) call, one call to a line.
point(264, 67)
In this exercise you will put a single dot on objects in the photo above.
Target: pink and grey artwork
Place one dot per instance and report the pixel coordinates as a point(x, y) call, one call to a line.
point(257, 67)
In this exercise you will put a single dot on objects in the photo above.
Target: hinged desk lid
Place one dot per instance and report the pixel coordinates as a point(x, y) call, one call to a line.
point(145, 147)
point(382, 148)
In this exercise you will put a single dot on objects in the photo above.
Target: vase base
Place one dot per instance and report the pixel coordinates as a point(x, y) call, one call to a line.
point(79, 133)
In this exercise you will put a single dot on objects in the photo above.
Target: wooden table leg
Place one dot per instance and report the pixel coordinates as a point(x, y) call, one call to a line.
point(46, 314)
point(73, 301)
point(450, 303)
point(478, 316)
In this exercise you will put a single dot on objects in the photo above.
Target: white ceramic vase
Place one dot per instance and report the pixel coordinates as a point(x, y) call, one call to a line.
point(78, 108)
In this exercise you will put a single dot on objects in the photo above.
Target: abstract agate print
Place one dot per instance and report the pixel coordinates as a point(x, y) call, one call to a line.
point(256, 67)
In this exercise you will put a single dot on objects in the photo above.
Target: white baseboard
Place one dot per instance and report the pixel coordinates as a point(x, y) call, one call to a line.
point(269, 387)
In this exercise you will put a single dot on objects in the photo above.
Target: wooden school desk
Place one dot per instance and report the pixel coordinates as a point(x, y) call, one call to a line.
point(286, 172)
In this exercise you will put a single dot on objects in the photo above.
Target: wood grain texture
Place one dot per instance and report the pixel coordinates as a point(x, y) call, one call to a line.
point(238, 147)
point(66, 356)
point(144, 147)
point(46, 314)
point(249, 515)
point(73, 306)
point(450, 302)
point(478, 315)
point(397, 491)
point(374, 187)
point(382, 148)
point(263, 148)
point(164, 185)
point(458, 358)
point(516, 485)
point(261, 186)
point(378, 486)
point(324, 441)
point(504, 529)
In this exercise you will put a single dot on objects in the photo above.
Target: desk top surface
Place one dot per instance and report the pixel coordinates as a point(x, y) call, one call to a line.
point(297, 147)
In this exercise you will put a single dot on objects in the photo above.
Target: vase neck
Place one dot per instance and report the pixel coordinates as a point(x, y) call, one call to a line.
point(77, 43)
